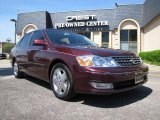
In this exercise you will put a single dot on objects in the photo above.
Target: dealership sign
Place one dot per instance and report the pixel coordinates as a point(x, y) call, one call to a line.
point(81, 17)
point(81, 21)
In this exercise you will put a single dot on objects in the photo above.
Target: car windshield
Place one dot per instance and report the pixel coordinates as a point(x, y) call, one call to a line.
point(68, 38)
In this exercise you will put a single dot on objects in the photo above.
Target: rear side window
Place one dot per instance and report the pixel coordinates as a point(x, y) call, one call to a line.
point(25, 40)
point(38, 35)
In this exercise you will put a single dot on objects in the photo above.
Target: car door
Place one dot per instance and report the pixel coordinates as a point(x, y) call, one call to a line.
point(21, 52)
point(37, 57)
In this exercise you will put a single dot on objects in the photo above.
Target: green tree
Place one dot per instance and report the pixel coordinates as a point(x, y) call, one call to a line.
point(7, 47)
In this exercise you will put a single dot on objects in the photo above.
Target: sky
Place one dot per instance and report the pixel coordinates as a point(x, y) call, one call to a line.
point(9, 9)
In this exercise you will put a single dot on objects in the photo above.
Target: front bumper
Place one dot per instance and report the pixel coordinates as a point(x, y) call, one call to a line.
point(122, 78)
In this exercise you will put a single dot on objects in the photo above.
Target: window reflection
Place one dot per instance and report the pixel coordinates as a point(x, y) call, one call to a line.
point(105, 39)
point(128, 40)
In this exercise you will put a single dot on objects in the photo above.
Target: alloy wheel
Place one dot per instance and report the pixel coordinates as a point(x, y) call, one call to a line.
point(60, 81)
point(15, 69)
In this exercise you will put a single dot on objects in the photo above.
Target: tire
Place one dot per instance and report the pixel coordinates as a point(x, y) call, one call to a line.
point(16, 70)
point(61, 82)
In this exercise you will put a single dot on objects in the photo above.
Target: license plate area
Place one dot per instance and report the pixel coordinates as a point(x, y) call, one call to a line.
point(139, 77)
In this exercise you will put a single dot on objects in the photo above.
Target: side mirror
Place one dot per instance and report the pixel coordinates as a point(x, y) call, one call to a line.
point(40, 42)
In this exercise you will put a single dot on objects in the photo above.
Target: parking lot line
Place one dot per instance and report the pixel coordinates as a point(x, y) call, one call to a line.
point(154, 70)
point(154, 75)
point(6, 77)
point(154, 83)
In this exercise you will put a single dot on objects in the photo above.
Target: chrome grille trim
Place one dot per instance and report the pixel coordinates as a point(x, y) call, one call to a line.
point(127, 61)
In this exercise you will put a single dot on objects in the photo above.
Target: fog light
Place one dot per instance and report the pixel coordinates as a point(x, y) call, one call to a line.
point(102, 85)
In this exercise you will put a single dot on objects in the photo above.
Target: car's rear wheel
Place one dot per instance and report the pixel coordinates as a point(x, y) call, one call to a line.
point(16, 70)
point(61, 82)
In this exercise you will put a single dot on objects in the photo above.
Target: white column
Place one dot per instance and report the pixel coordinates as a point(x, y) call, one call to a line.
point(110, 39)
point(92, 37)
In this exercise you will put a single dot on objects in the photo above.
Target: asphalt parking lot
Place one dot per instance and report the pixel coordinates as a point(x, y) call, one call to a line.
point(32, 99)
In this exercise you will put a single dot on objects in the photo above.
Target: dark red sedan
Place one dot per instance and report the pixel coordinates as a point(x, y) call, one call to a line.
point(74, 64)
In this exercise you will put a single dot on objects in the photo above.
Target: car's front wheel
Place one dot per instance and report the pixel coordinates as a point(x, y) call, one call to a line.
point(16, 70)
point(61, 82)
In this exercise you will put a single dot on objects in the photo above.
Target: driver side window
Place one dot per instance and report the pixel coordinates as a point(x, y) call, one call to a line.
point(24, 41)
point(38, 35)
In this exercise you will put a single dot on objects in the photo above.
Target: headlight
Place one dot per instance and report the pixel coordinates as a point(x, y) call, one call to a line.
point(96, 61)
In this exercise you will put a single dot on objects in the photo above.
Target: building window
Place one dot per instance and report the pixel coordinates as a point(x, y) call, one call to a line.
point(28, 28)
point(128, 40)
point(87, 34)
point(105, 39)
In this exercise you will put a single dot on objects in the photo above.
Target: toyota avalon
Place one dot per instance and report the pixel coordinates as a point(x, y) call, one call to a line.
point(72, 63)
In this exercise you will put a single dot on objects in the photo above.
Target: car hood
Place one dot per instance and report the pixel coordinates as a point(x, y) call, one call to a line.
point(80, 50)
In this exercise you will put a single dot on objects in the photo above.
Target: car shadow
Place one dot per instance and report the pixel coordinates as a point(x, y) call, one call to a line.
point(104, 101)
point(38, 81)
point(6, 71)
point(115, 100)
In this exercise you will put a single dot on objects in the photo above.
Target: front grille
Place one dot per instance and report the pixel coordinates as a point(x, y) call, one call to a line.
point(127, 61)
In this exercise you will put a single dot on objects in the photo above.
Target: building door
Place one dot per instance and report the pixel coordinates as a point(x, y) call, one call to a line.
point(105, 39)
point(128, 40)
